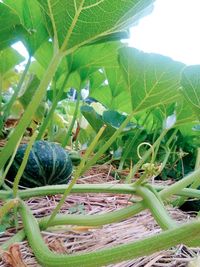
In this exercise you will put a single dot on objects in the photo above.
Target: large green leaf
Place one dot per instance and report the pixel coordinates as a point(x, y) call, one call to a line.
point(151, 79)
point(117, 85)
point(107, 85)
point(184, 113)
point(75, 23)
point(112, 119)
point(44, 54)
point(10, 26)
point(32, 20)
point(9, 58)
point(94, 119)
point(88, 59)
point(110, 90)
point(85, 62)
point(190, 82)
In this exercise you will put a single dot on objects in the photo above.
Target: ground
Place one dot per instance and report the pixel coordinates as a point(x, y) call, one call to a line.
point(71, 239)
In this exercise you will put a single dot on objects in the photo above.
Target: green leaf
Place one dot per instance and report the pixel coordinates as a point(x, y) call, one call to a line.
point(31, 18)
point(9, 79)
point(102, 94)
point(190, 82)
point(112, 119)
point(74, 81)
point(94, 119)
point(117, 85)
point(94, 57)
point(9, 58)
point(151, 79)
point(107, 85)
point(116, 36)
point(185, 113)
point(79, 22)
point(44, 54)
point(10, 26)
point(36, 69)
point(115, 119)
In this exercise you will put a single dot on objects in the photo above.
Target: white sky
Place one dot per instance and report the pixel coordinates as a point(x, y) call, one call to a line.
point(172, 29)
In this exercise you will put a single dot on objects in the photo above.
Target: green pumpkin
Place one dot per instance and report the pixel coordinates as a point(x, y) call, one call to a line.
point(48, 164)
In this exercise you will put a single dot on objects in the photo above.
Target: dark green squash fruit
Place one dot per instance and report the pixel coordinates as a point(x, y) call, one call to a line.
point(48, 164)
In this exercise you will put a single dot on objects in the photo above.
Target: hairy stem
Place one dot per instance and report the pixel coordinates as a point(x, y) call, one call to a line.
point(157, 208)
point(91, 188)
point(53, 107)
point(76, 175)
point(178, 186)
point(181, 234)
point(23, 164)
point(17, 90)
point(30, 111)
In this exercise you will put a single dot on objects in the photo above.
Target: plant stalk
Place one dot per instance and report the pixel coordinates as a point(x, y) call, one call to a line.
point(69, 132)
point(138, 165)
point(91, 188)
point(23, 164)
point(2, 178)
point(76, 175)
point(53, 107)
point(178, 186)
point(156, 207)
point(181, 234)
point(108, 143)
point(30, 110)
point(17, 90)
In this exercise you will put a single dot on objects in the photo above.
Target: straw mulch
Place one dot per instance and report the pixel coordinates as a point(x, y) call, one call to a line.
point(72, 239)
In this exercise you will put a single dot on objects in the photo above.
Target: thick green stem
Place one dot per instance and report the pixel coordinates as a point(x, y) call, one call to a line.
point(157, 208)
point(76, 175)
point(82, 220)
point(23, 164)
point(144, 247)
point(108, 143)
point(69, 132)
point(53, 107)
point(91, 188)
point(197, 163)
point(1, 92)
point(196, 183)
point(78, 188)
point(94, 220)
point(178, 186)
point(30, 110)
point(2, 178)
point(17, 90)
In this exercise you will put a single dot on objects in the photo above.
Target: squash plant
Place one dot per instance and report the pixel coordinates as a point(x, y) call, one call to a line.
point(73, 42)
